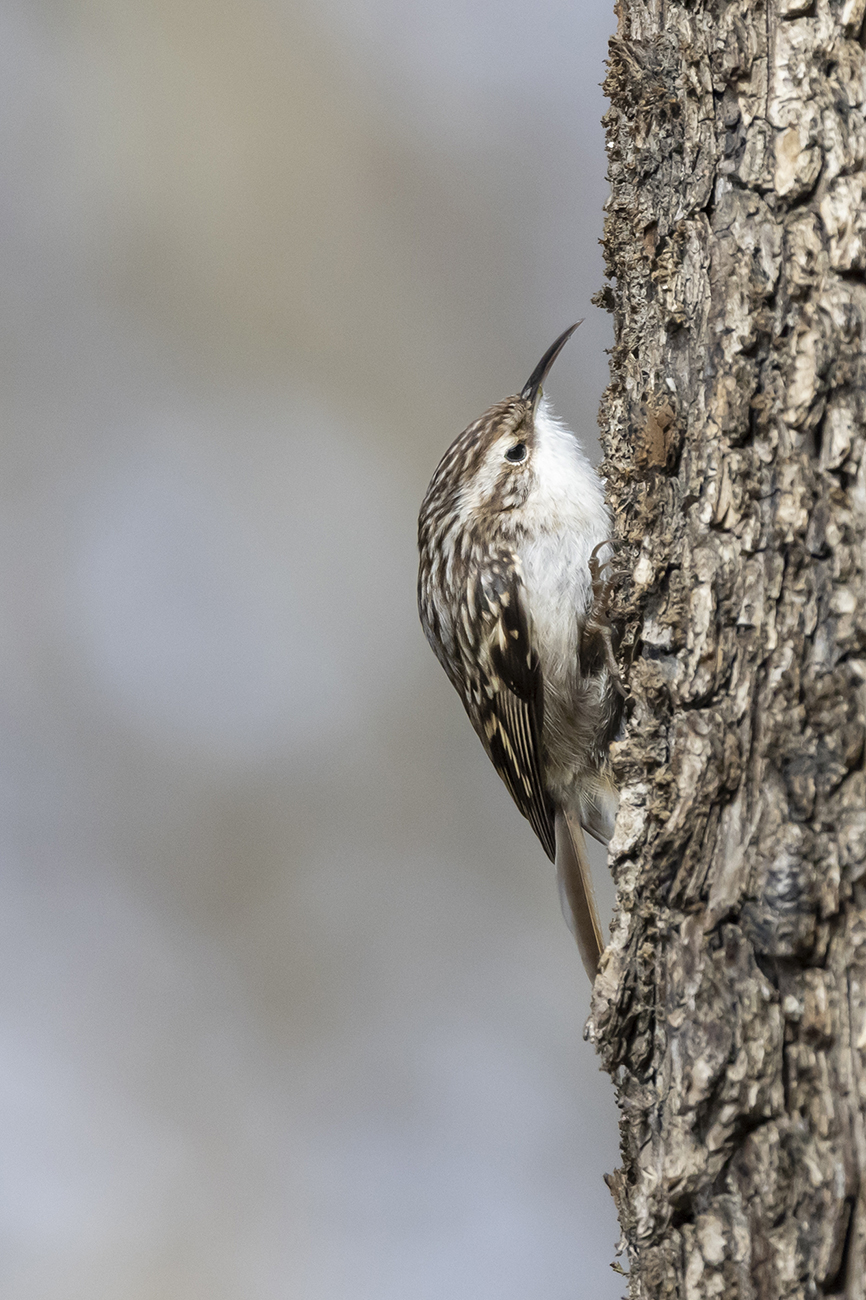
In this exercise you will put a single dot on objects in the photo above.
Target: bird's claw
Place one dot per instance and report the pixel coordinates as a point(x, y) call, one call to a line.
point(598, 623)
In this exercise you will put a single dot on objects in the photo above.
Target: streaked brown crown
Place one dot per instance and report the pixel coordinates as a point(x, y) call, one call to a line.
point(464, 458)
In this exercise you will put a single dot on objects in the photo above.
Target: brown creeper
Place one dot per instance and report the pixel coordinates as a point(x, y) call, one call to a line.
point(511, 524)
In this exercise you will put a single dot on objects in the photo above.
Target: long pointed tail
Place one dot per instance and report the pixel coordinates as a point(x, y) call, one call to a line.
point(576, 892)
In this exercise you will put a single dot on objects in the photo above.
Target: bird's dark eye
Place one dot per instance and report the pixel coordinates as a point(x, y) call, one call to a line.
point(517, 453)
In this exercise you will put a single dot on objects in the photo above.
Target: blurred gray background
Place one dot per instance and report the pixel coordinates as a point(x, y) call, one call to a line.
point(288, 1006)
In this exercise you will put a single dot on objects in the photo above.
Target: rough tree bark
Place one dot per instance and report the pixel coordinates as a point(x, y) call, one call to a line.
point(731, 1006)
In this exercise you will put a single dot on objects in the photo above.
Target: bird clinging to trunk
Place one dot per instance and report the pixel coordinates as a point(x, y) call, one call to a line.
point(511, 600)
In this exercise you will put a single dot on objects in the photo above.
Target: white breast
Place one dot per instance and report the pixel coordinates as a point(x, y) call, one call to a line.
point(566, 518)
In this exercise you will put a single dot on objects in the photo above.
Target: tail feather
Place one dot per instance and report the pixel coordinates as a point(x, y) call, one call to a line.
point(598, 804)
point(576, 892)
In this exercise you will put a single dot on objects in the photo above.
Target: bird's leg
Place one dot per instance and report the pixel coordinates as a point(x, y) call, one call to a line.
point(598, 623)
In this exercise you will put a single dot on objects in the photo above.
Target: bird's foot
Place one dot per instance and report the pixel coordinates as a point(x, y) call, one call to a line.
point(598, 623)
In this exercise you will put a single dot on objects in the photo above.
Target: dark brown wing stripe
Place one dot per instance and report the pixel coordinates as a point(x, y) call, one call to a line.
point(517, 723)
point(514, 739)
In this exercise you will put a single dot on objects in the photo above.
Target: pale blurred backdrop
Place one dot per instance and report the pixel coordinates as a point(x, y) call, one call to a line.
point(288, 1007)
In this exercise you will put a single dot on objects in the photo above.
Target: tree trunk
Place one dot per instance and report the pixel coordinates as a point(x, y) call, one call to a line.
point(731, 1006)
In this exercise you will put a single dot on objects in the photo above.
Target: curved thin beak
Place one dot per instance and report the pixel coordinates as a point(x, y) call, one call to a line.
point(532, 389)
